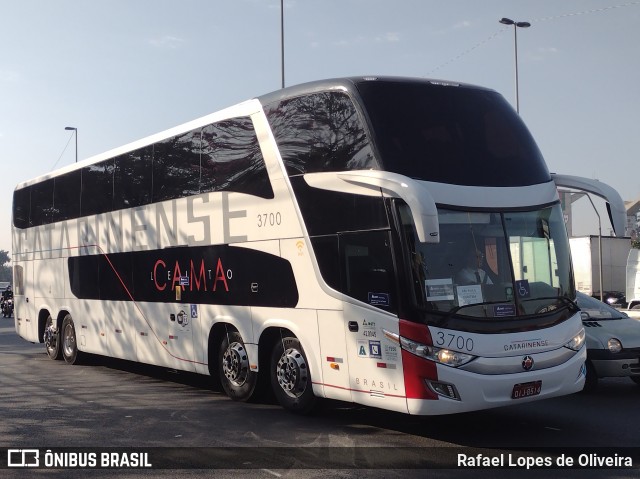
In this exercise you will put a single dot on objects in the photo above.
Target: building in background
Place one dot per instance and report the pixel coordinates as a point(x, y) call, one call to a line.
point(633, 219)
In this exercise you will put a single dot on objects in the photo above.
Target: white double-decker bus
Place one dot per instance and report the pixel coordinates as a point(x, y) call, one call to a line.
point(317, 241)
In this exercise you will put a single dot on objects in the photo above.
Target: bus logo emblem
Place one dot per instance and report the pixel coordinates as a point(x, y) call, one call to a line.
point(527, 363)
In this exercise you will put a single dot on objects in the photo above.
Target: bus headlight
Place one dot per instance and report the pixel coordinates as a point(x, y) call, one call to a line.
point(577, 341)
point(614, 345)
point(443, 356)
point(450, 358)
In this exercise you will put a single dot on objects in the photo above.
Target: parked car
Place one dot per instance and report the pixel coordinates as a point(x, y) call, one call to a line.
point(613, 342)
point(614, 298)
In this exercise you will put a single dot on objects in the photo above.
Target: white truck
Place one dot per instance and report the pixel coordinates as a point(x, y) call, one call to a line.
point(585, 254)
point(632, 290)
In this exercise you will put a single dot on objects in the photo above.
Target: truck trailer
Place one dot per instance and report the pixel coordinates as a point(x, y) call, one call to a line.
point(585, 255)
point(633, 279)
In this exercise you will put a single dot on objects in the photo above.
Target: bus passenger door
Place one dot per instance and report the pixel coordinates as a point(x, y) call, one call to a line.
point(374, 361)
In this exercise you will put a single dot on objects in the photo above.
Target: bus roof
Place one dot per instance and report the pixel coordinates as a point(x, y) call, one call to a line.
point(349, 83)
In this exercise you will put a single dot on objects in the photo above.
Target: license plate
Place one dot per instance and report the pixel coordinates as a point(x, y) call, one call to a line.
point(525, 390)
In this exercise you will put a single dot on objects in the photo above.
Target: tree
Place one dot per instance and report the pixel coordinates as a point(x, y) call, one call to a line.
point(5, 270)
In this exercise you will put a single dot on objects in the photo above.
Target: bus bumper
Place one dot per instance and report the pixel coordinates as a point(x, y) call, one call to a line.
point(483, 391)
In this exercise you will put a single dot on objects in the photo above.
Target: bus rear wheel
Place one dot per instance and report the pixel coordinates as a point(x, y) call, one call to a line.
point(237, 379)
point(70, 351)
point(51, 339)
point(290, 376)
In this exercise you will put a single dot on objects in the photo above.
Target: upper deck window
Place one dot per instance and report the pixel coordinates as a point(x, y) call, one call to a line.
point(222, 156)
point(450, 134)
point(320, 132)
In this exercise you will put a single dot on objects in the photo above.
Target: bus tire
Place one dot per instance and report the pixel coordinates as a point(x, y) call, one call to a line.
point(69, 344)
point(635, 379)
point(290, 376)
point(51, 339)
point(237, 379)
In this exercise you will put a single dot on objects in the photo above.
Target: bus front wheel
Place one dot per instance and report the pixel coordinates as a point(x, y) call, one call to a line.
point(70, 351)
point(238, 381)
point(51, 339)
point(290, 376)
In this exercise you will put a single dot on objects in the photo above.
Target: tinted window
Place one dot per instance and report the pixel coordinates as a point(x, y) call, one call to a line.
point(224, 156)
point(320, 132)
point(329, 212)
point(97, 188)
point(42, 202)
point(450, 134)
point(124, 276)
point(327, 254)
point(21, 204)
point(232, 160)
point(132, 179)
point(66, 196)
point(18, 277)
point(367, 268)
point(176, 167)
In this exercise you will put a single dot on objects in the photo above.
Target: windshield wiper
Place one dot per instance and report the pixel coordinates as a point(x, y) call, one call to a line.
point(568, 301)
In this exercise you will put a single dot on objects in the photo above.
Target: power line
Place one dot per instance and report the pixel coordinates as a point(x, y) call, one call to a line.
point(467, 51)
point(65, 149)
point(586, 12)
point(535, 20)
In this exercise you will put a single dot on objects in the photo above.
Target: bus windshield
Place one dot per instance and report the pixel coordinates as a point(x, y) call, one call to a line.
point(491, 264)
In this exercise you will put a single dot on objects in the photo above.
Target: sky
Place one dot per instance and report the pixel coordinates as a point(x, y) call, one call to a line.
point(121, 70)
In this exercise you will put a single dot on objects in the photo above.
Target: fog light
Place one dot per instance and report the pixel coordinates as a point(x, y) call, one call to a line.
point(444, 389)
point(614, 345)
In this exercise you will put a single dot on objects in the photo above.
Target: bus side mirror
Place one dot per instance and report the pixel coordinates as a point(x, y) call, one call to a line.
point(615, 204)
point(423, 209)
point(373, 182)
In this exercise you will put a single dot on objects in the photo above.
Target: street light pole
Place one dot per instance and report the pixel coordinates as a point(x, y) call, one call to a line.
point(75, 130)
point(282, 39)
point(516, 25)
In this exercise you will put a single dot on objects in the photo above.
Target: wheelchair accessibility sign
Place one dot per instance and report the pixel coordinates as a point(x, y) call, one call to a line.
point(523, 289)
point(194, 311)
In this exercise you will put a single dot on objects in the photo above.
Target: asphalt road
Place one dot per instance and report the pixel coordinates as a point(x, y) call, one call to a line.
point(48, 404)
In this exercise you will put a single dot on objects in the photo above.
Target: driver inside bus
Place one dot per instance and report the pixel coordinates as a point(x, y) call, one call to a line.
point(472, 272)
